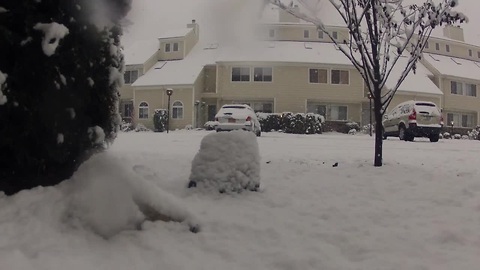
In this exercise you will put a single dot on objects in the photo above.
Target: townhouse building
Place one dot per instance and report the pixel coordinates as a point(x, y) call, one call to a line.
point(295, 68)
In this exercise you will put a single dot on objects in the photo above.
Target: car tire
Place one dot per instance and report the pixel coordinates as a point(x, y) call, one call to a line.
point(434, 137)
point(402, 133)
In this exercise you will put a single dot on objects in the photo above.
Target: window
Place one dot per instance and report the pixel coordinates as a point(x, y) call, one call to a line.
point(338, 113)
point(335, 34)
point(478, 54)
point(437, 46)
point(447, 48)
point(240, 74)
point(127, 109)
point(340, 77)
point(460, 119)
point(271, 33)
point(470, 53)
point(471, 90)
point(175, 47)
point(167, 47)
point(130, 76)
point(177, 110)
point(330, 112)
point(426, 45)
point(456, 88)
point(262, 74)
point(318, 75)
point(306, 33)
point(320, 34)
point(258, 106)
point(143, 110)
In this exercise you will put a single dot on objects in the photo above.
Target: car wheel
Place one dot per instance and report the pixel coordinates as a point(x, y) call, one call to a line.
point(434, 137)
point(402, 133)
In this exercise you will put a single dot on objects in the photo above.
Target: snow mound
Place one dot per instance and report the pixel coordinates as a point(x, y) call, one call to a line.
point(227, 162)
point(108, 197)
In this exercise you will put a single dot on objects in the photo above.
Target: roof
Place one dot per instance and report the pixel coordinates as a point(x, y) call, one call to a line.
point(418, 82)
point(456, 67)
point(174, 33)
point(140, 51)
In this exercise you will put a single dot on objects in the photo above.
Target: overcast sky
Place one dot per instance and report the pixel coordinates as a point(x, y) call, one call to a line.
point(152, 17)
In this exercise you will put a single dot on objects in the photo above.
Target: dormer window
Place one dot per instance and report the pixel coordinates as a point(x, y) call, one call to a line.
point(335, 34)
point(470, 53)
point(447, 48)
point(437, 46)
point(175, 47)
point(320, 34)
point(130, 76)
point(167, 47)
point(426, 45)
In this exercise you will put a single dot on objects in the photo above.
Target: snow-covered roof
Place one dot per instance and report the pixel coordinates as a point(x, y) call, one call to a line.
point(418, 82)
point(285, 52)
point(175, 33)
point(140, 51)
point(451, 66)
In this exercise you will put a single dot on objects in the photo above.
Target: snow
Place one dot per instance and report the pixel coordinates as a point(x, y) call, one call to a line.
point(53, 33)
point(418, 211)
point(175, 33)
point(96, 134)
point(456, 67)
point(3, 97)
point(227, 162)
point(140, 51)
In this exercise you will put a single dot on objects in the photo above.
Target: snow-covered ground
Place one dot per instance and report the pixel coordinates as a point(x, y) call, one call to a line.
point(419, 211)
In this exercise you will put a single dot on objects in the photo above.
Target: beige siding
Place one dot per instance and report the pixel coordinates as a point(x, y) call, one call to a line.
point(150, 63)
point(165, 56)
point(290, 88)
point(295, 32)
point(457, 49)
point(126, 92)
point(210, 85)
point(198, 108)
point(157, 99)
point(460, 102)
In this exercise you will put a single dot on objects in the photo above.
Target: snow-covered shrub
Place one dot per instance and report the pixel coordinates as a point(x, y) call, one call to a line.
point(298, 124)
point(160, 119)
point(227, 162)
point(108, 197)
point(270, 121)
point(352, 131)
point(188, 127)
point(313, 123)
point(457, 136)
point(142, 128)
point(353, 125)
point(366, 129)
point(127, 126)
point(447, 135)
point(287, 122)
point(473, 135)
point(440, 136)
point(465, 137)
point(210, 125)
point(62, 67)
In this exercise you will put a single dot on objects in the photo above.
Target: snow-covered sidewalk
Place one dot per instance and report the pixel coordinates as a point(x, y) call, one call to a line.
point(419, 211)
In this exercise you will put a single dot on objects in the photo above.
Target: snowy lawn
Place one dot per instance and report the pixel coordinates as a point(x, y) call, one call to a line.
point(419, 211)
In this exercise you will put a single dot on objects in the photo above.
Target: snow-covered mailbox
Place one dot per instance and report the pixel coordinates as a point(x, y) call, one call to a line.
point(227, 162)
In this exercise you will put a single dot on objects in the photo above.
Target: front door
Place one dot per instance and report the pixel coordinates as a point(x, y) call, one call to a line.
point(211, 111)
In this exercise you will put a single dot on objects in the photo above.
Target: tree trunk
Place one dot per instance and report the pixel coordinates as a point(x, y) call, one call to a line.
point(378, 129)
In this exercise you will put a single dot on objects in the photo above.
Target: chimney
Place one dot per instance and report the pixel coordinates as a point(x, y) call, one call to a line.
point(285, 17)
point(195, 27)
point(453, 32)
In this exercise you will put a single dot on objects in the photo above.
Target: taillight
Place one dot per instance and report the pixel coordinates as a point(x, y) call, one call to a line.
point(248, 119)
point(413, 115)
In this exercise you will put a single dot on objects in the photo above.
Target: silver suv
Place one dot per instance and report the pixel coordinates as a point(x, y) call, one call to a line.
point(412, 119)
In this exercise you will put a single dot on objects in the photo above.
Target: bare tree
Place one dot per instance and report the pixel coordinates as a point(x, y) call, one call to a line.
point(380, 32)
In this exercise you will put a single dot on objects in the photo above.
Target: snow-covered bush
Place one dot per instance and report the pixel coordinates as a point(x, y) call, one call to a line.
point(210, 125)
point(188, 127)
point(142, 128)
point(313, 123)
point(126, 126)
point(160, 119)
point(63, 65)
point(473, 135)
point(440, 136)
point(353, 125)
point(465, 137)
point(457, 136)
point(301, 123)
point(366, 129)
point(447, 135)
point(227, 162)
point(352, 131)
point(270, 121)
point(108, 197)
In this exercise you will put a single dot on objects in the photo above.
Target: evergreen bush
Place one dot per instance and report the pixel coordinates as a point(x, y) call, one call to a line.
point(160, 118)
point(62, 69)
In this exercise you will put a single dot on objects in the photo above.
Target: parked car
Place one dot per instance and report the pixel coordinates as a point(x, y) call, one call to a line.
point(237, 116)
point(412, 119)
